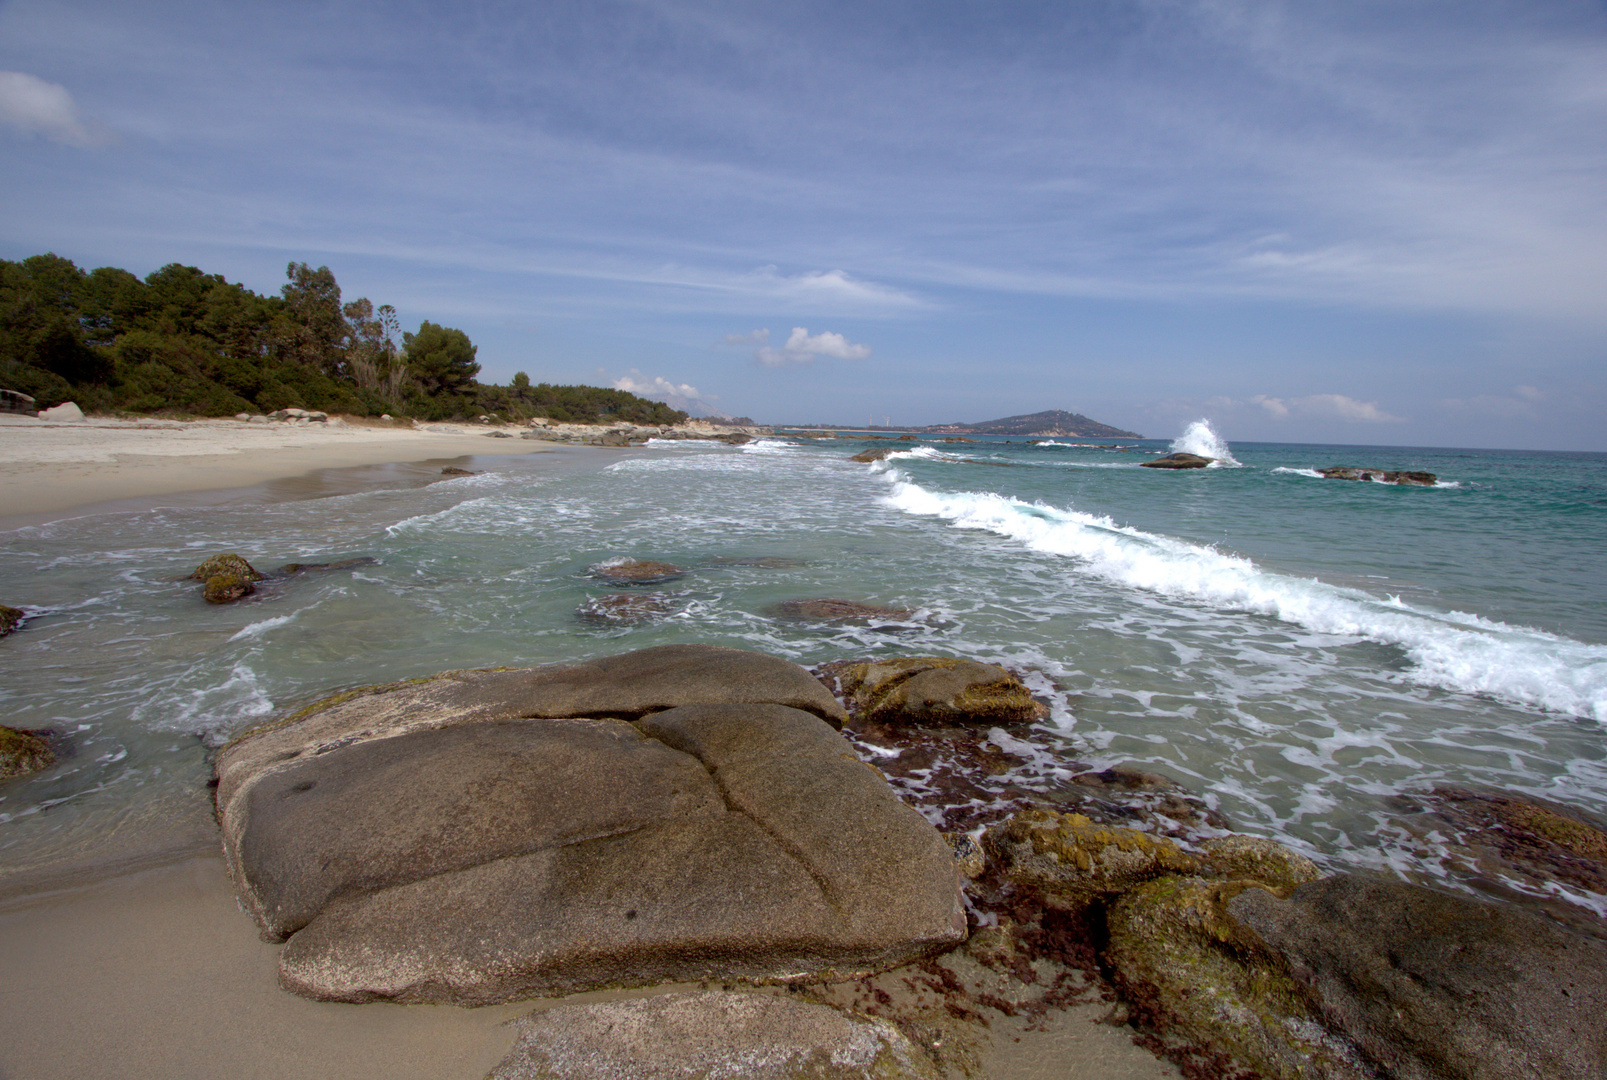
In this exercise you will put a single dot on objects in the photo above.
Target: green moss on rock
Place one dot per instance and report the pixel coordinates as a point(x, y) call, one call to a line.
point(1254, 858)
point(23, 752)
point(936, 689)
point(1213, 996)
point(227, 588)
point(228, 564)
point(1069, 856)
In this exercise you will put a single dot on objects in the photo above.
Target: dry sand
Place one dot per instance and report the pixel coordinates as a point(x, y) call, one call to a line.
point(49, 468)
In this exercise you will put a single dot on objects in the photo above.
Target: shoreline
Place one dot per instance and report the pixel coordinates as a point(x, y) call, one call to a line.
point(106, 465)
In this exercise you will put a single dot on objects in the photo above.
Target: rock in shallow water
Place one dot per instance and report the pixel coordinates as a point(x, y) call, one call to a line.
point(935, 690)
point(228, 578)
point(443, 841)
point(708, 1035)
point(1382, 476)
point(636, 572)
point(624, 608)
point(23, 752)
point(838, 611)
point(1178, 461)
point(10, 619)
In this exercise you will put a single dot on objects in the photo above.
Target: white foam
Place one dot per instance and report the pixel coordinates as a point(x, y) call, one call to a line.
point(1313, 473)
point(257, 629)
point(1200, 438)
point(1452, 650)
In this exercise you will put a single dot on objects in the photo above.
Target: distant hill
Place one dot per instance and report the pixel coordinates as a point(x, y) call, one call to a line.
point(1053, 422)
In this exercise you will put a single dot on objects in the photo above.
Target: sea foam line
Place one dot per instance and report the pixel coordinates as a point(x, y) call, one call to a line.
point(1452, 650)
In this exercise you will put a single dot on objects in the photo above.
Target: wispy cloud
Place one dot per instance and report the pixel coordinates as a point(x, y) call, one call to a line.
point(29, 103)
point(802, 347)
point(1327, 405)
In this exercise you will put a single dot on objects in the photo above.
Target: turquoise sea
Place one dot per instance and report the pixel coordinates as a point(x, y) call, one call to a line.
point(1296, 650)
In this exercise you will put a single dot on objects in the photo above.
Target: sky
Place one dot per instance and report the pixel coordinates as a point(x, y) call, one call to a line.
point(1350, 222)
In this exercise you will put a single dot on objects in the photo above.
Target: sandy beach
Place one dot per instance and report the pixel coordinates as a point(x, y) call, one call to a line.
point(50, 468)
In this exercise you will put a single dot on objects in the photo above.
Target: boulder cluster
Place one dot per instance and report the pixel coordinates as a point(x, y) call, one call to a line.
point(289, 416)
point(1381, 476)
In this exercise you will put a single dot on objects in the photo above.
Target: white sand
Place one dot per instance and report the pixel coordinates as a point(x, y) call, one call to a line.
point(48, 468)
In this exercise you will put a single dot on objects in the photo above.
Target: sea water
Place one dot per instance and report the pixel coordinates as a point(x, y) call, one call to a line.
point(1296, 650)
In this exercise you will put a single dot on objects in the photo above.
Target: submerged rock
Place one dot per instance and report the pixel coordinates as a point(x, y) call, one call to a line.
point(482, 836)
point(1178, 460)
point(1382, 476)
point(767, 562)
point(227, 578)
point(707, 1035)
point(339, 564)
point(630, 571)
point(624, 608)
point(1516, 847)
point(838, 611)
point(23, 752)
point(935, 690)
point(875, 454)
point(1435, 986)
point(10, 619)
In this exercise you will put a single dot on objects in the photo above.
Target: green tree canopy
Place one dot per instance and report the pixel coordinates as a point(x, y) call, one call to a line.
point(441, 359)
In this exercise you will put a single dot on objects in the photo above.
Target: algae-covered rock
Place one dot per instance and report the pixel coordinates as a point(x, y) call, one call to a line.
point(709, 1035)
point(227, 588)
point(628, 571)
point(624, 608)
point(936, 690)
point(23, 752)
point(1192, 975)
point(1253, 858)
point(830, 610)
point(228, 563)
point(1437, 987)
point(875, 454)
point(1069, 856)
point(10, 619)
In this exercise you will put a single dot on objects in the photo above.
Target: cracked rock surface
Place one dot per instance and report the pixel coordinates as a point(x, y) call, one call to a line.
point(453, 840)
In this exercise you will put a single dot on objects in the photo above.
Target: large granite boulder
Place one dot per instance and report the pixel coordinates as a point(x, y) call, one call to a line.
point(707, 1035)
point(484, 836)
point(935, 690)
point(1436, 986)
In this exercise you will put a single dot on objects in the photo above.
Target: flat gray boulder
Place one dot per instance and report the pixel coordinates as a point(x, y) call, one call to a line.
point(1435, 986)
point(625, 687)
point(707, 1035)
point(419, 845)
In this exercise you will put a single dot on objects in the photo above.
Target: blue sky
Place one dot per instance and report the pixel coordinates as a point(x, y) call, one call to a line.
point(1350, 222)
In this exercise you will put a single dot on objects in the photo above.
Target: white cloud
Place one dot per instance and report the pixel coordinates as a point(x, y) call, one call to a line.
point(801, 348)
point(1346, 408)
point(33, 105)
point(683, 396)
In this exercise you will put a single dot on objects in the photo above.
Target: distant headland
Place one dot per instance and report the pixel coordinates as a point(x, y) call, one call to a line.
point(1051, 423)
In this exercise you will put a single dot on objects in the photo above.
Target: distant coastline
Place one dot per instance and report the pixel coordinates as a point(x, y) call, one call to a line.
point(1050, 424)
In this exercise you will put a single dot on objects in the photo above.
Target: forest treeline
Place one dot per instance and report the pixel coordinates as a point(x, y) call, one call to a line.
point(183, 342)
